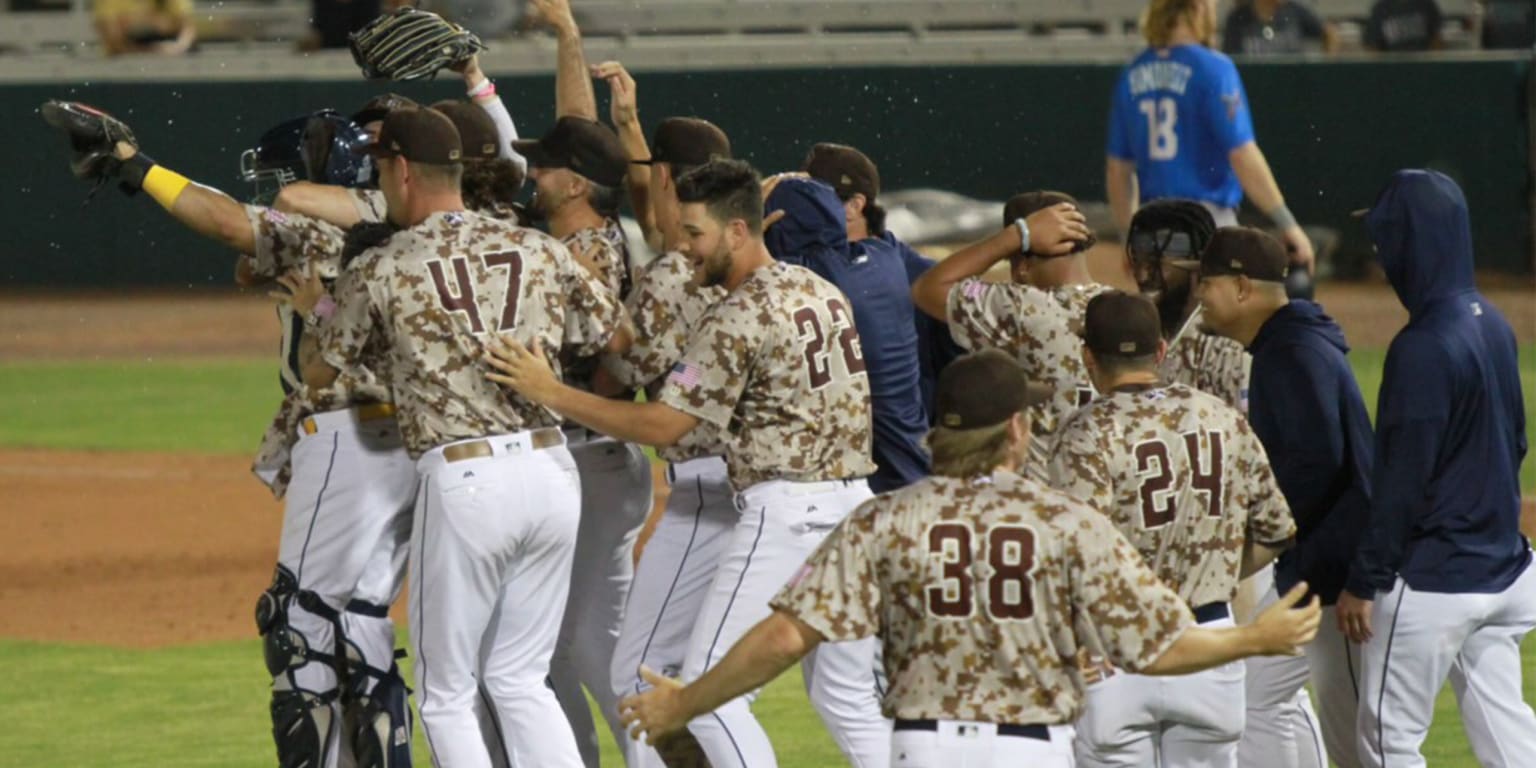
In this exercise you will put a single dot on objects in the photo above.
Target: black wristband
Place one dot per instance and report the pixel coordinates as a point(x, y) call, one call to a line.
point(133, 170)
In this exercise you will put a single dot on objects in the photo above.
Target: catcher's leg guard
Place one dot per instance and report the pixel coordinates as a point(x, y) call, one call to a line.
point(303, 720)
point(377, 702)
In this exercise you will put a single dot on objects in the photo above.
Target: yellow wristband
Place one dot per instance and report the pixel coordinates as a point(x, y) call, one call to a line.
point(164, 185)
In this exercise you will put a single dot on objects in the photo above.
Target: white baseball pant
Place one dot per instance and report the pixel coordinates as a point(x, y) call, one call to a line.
point(346, 523)
point(965, 744)
point(1281, 729)
point(1183, 721)
point(1418, 640)
point(672, 579)
point(781, 523)
point(491, 550)
point(615, 500)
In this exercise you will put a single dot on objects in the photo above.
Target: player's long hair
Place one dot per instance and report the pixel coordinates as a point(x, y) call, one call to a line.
point(490, 184)
point(1162, 16)
point(969, 452)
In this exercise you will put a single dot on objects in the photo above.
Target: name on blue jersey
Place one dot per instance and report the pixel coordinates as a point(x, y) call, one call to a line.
point(1160, 76)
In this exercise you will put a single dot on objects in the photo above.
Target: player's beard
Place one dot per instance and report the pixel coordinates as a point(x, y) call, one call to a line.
point(1172, 306)
point(716, 267)
point(543, 204)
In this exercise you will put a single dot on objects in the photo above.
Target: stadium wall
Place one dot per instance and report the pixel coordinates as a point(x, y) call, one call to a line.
point(1333, 131)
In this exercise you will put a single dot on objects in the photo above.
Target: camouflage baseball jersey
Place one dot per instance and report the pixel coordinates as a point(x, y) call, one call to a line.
point(434, 292)
point(665, 306)
point(1043, 330)
point(1182, 475)
point(285, 241)
point(370, 204)
point(610, 257)
point(1215, 365)
point(777, 364)
point(974, 587)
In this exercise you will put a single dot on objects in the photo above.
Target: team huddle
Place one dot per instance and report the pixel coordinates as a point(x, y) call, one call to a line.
point(1073, 481)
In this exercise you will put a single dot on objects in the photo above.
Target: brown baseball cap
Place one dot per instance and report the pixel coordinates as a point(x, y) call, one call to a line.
point(584, 146)
point(983, 389)
point(848, 170)
point(477, 131)
point(379, 106)
point(1121, 324)
point(1245, 251)
point(690, 141)
point(420, 135)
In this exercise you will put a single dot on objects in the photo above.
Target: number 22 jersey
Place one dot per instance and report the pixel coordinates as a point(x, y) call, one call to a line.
point(434, 293)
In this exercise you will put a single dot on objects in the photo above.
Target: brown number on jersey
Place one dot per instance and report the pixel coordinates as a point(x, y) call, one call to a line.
point(463, 299)
point(1153, 465)
point(1084, 396)
point(817, 363)
point(1011, 555)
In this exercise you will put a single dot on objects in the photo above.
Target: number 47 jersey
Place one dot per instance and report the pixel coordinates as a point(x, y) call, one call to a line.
point(432, 296)
point(1182, 476)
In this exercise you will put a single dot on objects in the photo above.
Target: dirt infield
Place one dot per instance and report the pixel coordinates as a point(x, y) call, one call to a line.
point(144, 550)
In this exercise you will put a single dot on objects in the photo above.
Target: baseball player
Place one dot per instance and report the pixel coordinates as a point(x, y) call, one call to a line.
point(1179, 126)
point(1036, 323)
point(1185, 480)
point(777, 366)
point(679, 562)
point(971, 579)
point(496, 517)
point(333, 454)
point(1442, 583)
point(811, 234)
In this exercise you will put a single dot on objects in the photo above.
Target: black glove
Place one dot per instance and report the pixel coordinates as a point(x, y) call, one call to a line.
point(93, 136)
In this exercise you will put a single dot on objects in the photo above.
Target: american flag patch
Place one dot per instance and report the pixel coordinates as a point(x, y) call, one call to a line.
point(974, 288)
point(275, 216)
point(686, 376)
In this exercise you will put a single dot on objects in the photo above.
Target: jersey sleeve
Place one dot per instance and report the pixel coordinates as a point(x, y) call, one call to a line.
point(708, 380)
point(1269, 516)
point(836, 591)
point(287, 240)
point(983, 314)
point(659, 326)
point(345, 336)
point(1078, 465)
point(369, 203)
point(1138, 618)
point(592, 312)
point(1226, 107)
point(1120, 142)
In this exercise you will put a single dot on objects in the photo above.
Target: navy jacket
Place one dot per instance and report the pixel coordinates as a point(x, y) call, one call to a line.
point(1450, 425)
point(935, 346)
point(814, 234)
point(1305, 407)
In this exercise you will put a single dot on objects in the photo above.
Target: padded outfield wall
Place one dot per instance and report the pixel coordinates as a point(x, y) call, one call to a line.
point(1333, 131)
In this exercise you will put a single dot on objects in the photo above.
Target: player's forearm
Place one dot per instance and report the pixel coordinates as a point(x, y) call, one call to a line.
point(638, 180)
point(1258, 182)
point(1120, 186)
point(756, 659)
point(931, 291)
point(648, 423)
point(573, 86)
point(215, 215)
point(320, 201)
point(1200, 648)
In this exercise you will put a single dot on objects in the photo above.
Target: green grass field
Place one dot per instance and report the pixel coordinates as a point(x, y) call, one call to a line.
point(205, 705)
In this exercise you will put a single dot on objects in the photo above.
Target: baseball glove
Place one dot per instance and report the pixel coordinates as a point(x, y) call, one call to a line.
point(411, 44)
point(92, 136)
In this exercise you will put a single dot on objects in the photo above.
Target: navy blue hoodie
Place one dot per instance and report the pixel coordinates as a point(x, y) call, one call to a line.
point(936, 348)
point(1305, 407)
point(814, 234)
point(1450, 424)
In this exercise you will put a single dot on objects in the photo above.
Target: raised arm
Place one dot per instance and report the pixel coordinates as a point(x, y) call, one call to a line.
point(624, 111)
point(1052, 230)
point(573, 85)
point(482, 92)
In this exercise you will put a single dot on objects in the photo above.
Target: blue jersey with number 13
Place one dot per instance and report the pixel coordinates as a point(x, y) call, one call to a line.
point(1178, 113)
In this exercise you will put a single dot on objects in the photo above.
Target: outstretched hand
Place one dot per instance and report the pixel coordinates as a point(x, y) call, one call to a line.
point(526, 371)
point(1284, 628)
point(623, 102)
point(651, 715)
point(556, 14)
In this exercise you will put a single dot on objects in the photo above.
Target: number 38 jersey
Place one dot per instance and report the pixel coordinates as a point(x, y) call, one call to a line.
point(974, 587)
point(1178, 113)
point(1182, 476)
point(434, 293)
point(777, 365)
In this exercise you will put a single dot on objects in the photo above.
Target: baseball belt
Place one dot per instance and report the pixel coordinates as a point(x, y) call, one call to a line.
point(539, 439)
point(361, 413)
point(1031, 731)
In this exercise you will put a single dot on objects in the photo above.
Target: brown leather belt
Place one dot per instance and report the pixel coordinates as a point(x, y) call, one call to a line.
point(548, 437)
point(361, 413)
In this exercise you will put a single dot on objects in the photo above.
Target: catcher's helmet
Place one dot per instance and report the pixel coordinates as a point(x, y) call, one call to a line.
point(324, 147)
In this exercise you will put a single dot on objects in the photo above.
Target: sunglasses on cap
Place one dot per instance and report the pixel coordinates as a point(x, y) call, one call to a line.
point(1163, 244)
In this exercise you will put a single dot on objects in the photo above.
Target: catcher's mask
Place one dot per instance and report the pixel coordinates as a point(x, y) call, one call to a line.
point(324, 147)
point(1170, 232)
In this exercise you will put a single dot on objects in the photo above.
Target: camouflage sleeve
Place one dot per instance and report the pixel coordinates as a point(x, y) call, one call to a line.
point(1137, 617)
point(983, 314)
point(1079, 466)
point(345, 336)
point(370, 204)
point(708, 380)
point(1270, 521)
point(592, 312)
point(593, 247)
point(660, 330)
point(286, 240)
point(836, 592)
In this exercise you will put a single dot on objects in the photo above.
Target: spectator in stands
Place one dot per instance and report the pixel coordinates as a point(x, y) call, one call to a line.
point(1262, 27)
point(1403, 25)
point(145, 26)
point(1508, 24)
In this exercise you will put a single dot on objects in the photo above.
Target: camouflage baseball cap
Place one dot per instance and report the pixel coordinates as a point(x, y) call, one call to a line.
point(984, 389)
